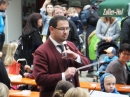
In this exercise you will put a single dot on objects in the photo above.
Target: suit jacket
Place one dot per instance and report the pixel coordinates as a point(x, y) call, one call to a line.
point(48, 66)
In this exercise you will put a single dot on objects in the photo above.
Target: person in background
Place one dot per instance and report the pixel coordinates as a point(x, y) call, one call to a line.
point(61, 88)
point(118, 66)
point(107, 83)
point(57, 59)
point(65, 8)
point(77, 92)
point(72, 15)
point(111, 55)
point(73, 34)
point(4, 90)
point(110, 27)
point(85, 18)
point(3, 6)
point(31, 36)
point(11, 64)
point(3, 75)
point(29, 69)
point(46, 12)
point(86, 7)
point(125, 31)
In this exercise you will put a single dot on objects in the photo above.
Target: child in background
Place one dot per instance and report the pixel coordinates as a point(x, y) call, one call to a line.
point(4, 90)
point(111, 55)
point(107, 82)
point(12, 65)
point(74, 17)
point(77, 92)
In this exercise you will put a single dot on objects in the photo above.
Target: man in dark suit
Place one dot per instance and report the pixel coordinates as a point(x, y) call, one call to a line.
point(52, 64)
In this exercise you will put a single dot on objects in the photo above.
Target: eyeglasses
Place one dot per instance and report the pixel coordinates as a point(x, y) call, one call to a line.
point(125, 54)
point(62, 29)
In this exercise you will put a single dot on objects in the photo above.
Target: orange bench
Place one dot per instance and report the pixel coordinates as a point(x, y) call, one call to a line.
point(18, 93)
point(22, 81)
point(96, 86)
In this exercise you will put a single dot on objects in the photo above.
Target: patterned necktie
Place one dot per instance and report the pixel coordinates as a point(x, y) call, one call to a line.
point(61, 47)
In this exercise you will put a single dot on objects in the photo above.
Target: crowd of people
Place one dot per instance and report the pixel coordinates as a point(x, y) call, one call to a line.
point(54, 54)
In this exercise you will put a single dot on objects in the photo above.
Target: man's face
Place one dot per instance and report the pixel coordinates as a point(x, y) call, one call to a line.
point(58, 11)
point(61, 32)
point(65, 11)
point(4, 7)
point(78, 9)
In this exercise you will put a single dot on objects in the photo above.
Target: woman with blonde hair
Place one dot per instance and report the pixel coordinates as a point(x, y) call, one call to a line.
point(4, 90)
point(77, 92)
point(9, 61)
point(108, 29)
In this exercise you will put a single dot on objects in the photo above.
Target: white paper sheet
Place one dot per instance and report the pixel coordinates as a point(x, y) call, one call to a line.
point(104, 94)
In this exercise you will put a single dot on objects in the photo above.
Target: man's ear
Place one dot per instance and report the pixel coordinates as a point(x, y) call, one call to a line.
point(51, 29)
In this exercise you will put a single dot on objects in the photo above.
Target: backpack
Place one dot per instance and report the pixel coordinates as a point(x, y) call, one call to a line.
point(122, 21)
point(23, 43)
point(19, 49)
point(92, 16)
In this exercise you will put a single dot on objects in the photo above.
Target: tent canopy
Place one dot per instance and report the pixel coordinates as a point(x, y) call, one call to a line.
point(113, 8)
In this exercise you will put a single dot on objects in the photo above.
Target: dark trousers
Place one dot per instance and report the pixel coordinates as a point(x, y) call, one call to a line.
point(2, 39)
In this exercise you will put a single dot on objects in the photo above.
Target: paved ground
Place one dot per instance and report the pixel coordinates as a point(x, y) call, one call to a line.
point(83, 77)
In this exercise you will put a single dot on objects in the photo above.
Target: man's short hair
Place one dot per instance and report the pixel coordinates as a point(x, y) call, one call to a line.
point(57, 6)
point(53, 22)
point(65, 5)
point(4, 2)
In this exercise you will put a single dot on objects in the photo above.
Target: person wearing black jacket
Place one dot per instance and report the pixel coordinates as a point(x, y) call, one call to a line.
point(31, 36)
point(73, 34)
point(3, 7)
point(3, 75)
point(125, 31)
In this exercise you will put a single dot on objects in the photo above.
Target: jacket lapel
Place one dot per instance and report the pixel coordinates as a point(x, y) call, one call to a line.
point(57, 55)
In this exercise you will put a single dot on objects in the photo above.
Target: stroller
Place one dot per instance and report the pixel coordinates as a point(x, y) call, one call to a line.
point(101, 46)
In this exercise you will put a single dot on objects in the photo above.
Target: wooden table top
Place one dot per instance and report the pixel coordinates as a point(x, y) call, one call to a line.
point(19, 93)
point(16, 80)
point(92, 85)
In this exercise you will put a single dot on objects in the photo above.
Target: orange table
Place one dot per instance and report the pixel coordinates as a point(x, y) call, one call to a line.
point(96, 86)
point(19, 93)
point(21, 81)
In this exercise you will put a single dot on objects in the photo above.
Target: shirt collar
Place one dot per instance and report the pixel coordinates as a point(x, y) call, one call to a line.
point(56, 43)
